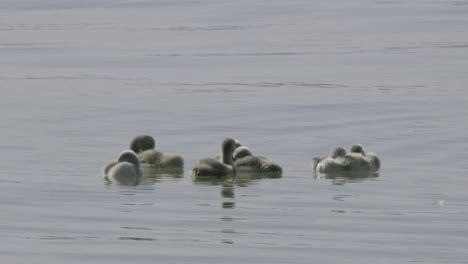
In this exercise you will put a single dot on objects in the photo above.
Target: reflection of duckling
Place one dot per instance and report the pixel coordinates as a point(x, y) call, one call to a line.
point(126, 170)
point(243, 158)
point(336, 162)
point(213, 167)
point(144, 147)
point(371, 161)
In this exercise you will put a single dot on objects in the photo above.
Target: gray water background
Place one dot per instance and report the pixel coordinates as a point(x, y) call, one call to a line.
point(290, 79)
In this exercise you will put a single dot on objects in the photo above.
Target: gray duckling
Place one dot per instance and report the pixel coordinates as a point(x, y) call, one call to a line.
point(243, 158)
point(125, 170)
point(144, 147)
point(218, 168)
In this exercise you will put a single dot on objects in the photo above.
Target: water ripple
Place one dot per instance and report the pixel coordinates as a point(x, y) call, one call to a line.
point(137, 238)
point(108, 26)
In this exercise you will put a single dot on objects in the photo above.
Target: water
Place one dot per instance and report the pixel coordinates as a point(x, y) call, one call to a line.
point(289, 79)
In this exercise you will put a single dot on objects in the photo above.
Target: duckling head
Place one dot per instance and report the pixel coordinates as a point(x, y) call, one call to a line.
point(142, 143)
point(337, 152)
point(129, 156)
point(357, 148)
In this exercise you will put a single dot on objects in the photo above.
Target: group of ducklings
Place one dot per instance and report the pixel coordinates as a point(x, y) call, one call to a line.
point(356, 161)
point(234, 157)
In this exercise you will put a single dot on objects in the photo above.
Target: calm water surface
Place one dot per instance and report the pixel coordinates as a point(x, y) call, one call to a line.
point(290, 79)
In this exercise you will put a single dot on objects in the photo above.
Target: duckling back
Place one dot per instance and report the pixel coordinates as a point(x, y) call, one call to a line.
point(335, 163)
point(366, 161)
point(126, 170)
point(243, 158)
point(144, 146)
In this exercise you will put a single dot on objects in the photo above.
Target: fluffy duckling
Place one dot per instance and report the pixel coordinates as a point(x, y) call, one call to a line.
point(214, 167)
point(371, 161)
point(144, 146)
point(238, 144)
point(336, 162)
point(243, 158)
point(126, 170)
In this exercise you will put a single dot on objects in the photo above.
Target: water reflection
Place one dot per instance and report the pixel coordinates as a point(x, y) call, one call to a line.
point(137, 238)
point(123, 181)
point(348, 177)
point(150, 176)
point(228, 184)
point(245, 178)
point(341, 197)
point(242, 178)
point(228, 195)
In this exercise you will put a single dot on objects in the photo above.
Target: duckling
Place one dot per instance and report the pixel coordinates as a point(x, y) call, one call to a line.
point(243, 158)
point(144, 146)
point(213, 167)
point(371, 161)
point(336, 162)
point(238, 144)
point(125, 170)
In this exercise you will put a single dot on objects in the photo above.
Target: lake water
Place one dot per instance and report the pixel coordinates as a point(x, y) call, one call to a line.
point(290, 79)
